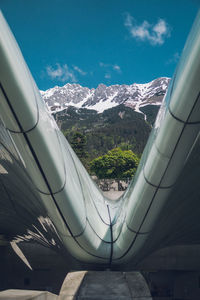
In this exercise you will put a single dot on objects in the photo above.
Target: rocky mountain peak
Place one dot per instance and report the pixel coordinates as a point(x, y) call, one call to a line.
point(104, 97)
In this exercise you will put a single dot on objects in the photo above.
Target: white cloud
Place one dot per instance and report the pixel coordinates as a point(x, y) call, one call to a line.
point(110, 67)
point(153, 33)
point(104, 65)
point(117, 68)
point(62, 73)
point(174, 59)
point(76, 68)
point(128, 21)
point(107, 76)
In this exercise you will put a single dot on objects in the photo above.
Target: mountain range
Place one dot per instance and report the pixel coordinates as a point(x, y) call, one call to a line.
point(105, 97)
point(108, 116)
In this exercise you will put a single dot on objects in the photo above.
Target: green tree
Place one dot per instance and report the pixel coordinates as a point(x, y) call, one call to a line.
point(78, 142)
point(125, 146)
point(115, 164)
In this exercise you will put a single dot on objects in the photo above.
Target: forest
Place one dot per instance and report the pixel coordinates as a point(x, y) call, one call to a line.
point(117, 131)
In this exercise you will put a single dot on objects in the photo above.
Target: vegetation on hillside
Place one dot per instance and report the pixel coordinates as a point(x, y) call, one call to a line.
point(113, 128)
point(94, 135)
point(78, 143)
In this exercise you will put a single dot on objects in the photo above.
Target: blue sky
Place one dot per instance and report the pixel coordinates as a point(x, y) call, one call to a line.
point(100, 41)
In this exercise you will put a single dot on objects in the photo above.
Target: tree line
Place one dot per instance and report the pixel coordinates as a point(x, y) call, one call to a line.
point(118, 163)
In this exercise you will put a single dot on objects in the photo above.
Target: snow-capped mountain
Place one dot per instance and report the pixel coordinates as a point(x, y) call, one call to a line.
point(104, 97)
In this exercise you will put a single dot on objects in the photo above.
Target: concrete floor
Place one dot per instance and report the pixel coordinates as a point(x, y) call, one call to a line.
point(91, 285)
point(27, 295)
point(104, 285)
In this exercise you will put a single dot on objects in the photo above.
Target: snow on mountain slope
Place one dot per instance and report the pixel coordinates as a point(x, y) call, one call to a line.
point(104, 97)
